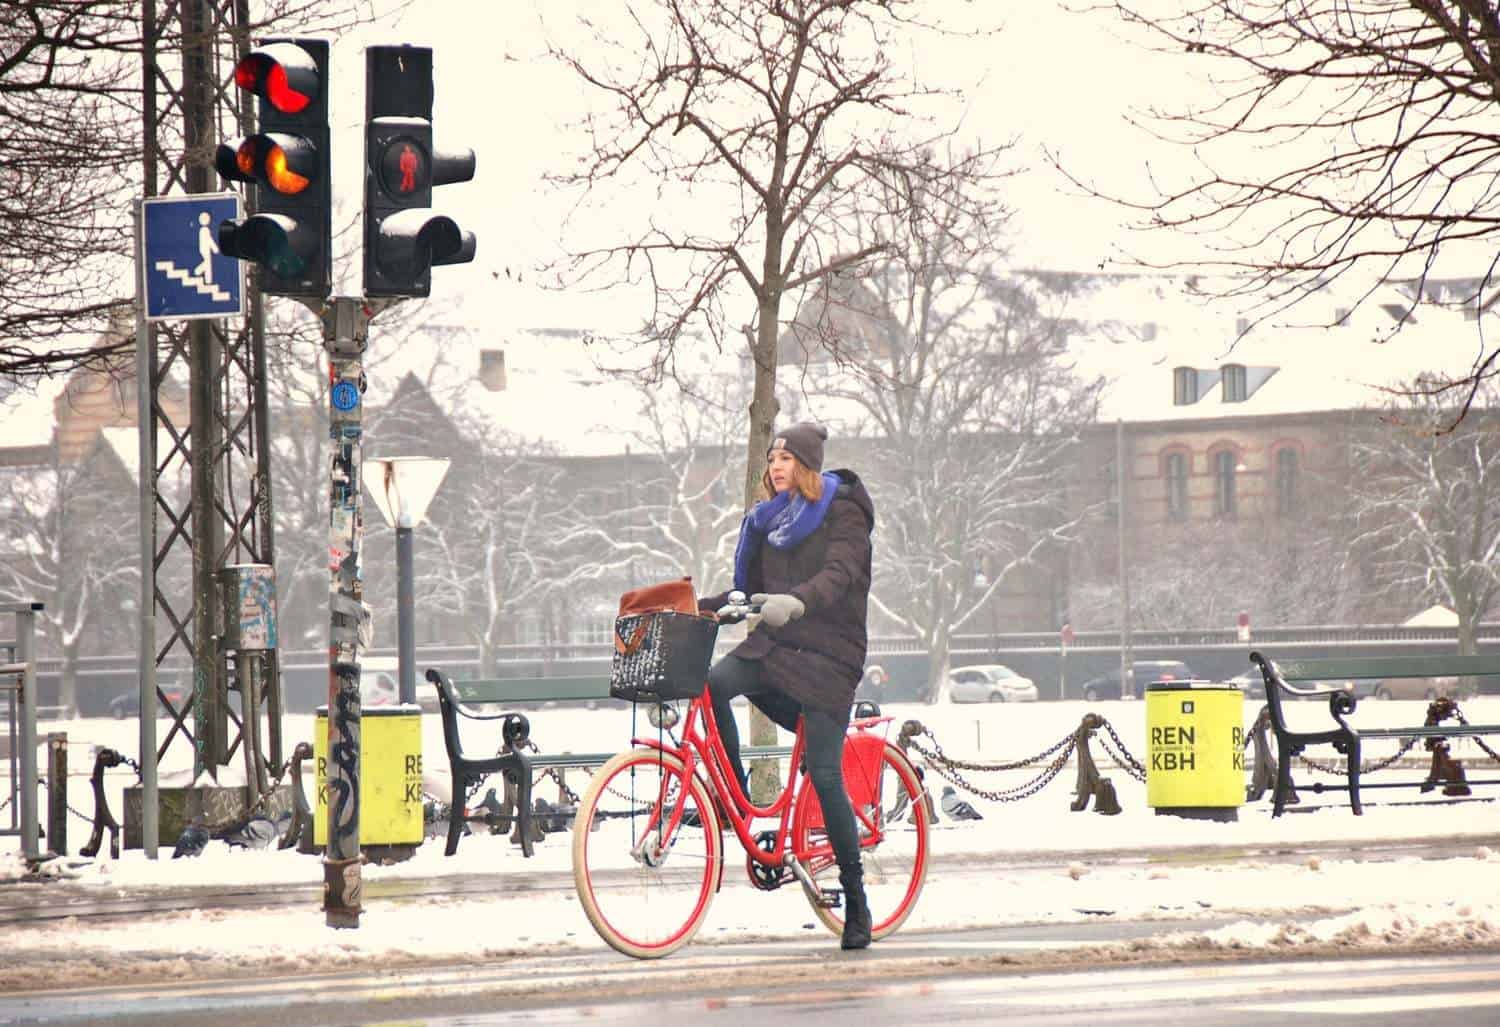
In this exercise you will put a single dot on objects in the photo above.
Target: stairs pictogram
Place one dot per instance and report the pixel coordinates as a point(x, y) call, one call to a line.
point(192, 281)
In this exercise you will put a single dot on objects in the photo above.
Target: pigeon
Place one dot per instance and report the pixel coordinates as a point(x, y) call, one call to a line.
point(494, 812)
point(255, 833)
point(956, 808)
point(191, 842)
point(553, 819)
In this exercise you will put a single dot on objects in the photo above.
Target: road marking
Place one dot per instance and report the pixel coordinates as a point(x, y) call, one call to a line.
point(1384, 1004)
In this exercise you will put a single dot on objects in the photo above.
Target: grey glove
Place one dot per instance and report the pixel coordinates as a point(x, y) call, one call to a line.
point(777, 609)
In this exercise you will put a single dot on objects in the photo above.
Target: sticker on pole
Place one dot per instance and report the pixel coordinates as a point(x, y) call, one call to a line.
point(183, 274)
point(345, 395)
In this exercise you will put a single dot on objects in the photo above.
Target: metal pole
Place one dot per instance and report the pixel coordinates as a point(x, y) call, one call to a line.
point(57, 792)
point(1127, 686)
point(345, 324)
point(406, 635)
point(145, 655)
point(26, 655)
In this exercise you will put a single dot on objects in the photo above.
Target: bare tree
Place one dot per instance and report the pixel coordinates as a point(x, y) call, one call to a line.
point(783, 114)
point(1340, 138)
point(1427, 503)
point(71, 103)
point(673, 507)
point(1209, 572)
point(496, 550)
point(65, 544)
point(776, 115)
point(956, 375)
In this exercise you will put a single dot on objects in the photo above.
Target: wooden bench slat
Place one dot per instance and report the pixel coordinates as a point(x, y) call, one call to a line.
point(1364, 667)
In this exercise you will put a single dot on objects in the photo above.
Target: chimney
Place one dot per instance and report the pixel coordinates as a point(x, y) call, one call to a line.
point(492, 369)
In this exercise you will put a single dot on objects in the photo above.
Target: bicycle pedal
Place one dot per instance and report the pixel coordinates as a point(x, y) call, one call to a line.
point(831, 898)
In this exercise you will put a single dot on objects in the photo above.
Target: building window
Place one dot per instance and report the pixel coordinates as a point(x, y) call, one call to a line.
point(1234, 383)
point(1177, 483)
point(1287, 470)
point(1224, 463)
point(1184, 386)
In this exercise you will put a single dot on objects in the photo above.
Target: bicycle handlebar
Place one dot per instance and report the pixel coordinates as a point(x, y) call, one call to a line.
point(737, 609)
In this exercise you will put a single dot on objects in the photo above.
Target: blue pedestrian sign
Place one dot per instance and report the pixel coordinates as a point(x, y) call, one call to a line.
point(184, 274)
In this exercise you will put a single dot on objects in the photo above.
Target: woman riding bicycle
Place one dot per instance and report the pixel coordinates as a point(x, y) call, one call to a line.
point(804, 556)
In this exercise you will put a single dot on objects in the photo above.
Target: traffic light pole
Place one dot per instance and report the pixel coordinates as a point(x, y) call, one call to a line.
point(346, 322)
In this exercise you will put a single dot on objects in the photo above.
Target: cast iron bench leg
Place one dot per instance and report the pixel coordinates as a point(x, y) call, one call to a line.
point(1354, 776)
point(1283, 782)
point(456, 809)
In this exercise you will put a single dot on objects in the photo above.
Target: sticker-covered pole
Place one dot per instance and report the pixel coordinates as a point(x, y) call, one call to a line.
point(345, 327)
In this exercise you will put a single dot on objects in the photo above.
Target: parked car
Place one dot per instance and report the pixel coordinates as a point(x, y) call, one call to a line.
point(1252, 683)
point(989, 682)
point(1418, 688)
point(377, 683)
point(1254, 686)
point(1107, 686)
point(129, 704)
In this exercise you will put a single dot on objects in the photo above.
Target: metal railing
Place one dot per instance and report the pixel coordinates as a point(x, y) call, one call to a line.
point(20, 673)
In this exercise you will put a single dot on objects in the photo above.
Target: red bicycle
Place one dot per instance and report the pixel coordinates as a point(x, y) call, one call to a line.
point(648, 855)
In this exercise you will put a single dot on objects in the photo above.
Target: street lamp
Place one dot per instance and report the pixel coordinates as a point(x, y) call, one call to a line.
point(403, 487)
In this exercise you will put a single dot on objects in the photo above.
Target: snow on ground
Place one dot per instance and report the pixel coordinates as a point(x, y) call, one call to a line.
point(1052, 866)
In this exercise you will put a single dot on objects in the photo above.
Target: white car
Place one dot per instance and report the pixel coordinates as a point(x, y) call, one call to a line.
point(989, 682)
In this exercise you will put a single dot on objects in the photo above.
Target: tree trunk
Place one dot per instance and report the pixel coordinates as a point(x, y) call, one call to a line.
point(1468, 636)
point(487, 668)
point(765, 779)
point(67, 688)
point(937, 666)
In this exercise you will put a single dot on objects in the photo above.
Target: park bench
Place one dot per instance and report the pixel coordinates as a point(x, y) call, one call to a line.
point(1307, 679)
point(516, 758)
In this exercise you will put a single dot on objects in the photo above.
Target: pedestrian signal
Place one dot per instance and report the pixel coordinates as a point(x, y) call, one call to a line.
point(404, 237)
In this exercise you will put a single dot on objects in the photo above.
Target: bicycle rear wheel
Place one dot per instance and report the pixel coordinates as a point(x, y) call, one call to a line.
point(895, 867)
point(646, 884)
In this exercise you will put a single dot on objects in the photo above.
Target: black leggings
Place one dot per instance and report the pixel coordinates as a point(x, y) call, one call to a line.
point(823, 738)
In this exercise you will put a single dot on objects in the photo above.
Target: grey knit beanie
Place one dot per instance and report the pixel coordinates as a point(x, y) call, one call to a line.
point(804, 441)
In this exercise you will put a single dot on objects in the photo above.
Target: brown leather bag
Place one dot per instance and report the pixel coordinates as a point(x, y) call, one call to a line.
point(676, 595)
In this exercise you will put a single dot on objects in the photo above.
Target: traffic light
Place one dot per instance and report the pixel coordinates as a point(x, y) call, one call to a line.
point(404, 238)
point(290, 234)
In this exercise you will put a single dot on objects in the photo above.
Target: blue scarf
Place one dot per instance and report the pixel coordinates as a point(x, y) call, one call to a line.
point(784, 520)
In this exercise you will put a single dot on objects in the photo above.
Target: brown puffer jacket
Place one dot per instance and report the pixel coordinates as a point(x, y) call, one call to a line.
point(818, 659)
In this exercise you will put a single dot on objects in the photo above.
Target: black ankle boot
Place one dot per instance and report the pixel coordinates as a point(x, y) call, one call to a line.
point(856, 908)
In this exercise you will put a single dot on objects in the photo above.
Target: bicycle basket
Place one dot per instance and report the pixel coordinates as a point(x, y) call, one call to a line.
point(661, 656)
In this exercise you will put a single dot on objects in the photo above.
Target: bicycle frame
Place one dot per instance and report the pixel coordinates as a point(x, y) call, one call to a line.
point(707, 748)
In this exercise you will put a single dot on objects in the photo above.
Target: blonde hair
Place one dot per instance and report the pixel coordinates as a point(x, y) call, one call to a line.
point(804, 479)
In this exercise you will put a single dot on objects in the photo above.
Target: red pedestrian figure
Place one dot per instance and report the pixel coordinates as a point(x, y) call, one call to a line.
point(408, 166)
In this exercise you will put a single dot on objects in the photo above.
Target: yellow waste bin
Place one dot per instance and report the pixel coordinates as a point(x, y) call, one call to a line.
point(1195, 749)
point(390, 776)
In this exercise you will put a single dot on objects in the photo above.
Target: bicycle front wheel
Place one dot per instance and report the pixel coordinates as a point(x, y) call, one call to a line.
point(645, 875)
point(895, 865)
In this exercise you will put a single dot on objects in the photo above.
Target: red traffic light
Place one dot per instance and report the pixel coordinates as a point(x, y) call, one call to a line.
point(283, 74)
